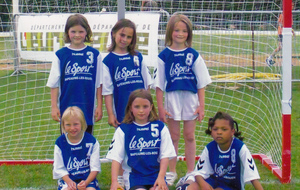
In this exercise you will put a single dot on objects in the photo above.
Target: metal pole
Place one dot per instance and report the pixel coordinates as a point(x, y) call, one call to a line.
point(121, 9)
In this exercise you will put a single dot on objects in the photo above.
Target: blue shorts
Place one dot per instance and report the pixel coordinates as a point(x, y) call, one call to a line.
point(63, 185)
point(215, 184)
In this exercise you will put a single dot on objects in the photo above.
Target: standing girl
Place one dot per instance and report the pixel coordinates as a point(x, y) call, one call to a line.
point(143, 144)
point(76, 154)
point(75, 74)
point(182, 74)
point(123, 71)
point(226, 162)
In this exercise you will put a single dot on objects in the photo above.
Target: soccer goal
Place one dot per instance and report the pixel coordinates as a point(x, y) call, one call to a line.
point(234, 38)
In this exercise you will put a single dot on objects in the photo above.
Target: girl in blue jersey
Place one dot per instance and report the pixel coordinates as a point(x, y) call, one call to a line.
point(76, 154)
point(142, 145)
point(182, 74)
point(75, 76)
point(225, 163)
point(123, 70)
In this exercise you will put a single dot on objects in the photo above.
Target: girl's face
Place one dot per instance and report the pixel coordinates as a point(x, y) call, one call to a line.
point(123, 38)
point(77, 36)
point(141, 109)
point(73, 127)
point(222, 133)
point(180, 34)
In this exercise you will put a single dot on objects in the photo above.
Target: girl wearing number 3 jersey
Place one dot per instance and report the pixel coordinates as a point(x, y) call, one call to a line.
point(182, 74)
point(143, 144)
point(76, 74)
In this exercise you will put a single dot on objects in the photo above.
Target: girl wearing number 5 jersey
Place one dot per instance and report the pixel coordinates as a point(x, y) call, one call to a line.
point(143, 144)
point(182, 74)
point(75, 76)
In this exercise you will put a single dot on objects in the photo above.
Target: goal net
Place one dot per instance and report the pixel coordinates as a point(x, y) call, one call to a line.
point(234, 38)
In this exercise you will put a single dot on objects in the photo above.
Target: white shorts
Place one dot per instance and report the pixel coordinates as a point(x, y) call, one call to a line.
point(181, 105)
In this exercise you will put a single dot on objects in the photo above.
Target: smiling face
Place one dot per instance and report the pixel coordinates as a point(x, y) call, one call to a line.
point(123, 38)
point(222, 133)
point(73, 128)
point(179, 35)
point(77, 35)
point(141, 109)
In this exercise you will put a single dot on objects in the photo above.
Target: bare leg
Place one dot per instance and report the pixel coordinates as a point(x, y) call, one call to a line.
point(190, 144)
point(174, 128)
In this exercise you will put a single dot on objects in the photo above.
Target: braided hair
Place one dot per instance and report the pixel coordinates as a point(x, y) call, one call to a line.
point(222, 115)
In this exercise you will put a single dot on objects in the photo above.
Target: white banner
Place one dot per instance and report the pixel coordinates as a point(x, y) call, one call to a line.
point(40, 35)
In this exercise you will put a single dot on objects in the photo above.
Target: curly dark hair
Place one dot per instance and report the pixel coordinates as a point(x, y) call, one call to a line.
point(226, 116)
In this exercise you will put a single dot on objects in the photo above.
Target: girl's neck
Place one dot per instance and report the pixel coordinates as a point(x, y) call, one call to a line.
point(75, 140)
point(175, 46)
point(120, 50)
point(75, 46)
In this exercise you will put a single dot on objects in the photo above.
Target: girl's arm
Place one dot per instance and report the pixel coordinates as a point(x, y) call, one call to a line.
point(256, 184)
point(201, 107)
point(55, 113)
point(112, 120)
point(160, 105)
point(160, 181)
point(98, 111)
point(202, 183)
point(115, 167)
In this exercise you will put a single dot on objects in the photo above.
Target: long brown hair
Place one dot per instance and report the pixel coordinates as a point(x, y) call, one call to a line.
point(171, 25)
point(74, 20)
point(144, 94)
point(123, 23)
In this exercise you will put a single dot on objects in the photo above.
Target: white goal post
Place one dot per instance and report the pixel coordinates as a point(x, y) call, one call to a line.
point(234, 39)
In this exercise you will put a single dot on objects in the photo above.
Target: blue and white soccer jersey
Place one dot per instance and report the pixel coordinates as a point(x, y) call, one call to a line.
point(122, 74)
point(77, 73)
point(229, 169)
point(76, 160)
point(180, 73)
point(140, 148)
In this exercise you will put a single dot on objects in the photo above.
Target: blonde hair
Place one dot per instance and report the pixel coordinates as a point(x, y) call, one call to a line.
point(74, 20)
point(171, 25)
point(73, 111)
point(144, 94)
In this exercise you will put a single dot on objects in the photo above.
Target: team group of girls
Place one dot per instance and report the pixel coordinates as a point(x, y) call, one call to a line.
point(145, 143)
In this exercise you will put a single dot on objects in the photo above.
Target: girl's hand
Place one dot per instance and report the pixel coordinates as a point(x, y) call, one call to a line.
point(98, 113)
point(112, 121)
point(200, 112)
point(81, 185)
point(116, 186)
point(162, 115)
point(160, 184)
point(71, 185)
point(55, 113)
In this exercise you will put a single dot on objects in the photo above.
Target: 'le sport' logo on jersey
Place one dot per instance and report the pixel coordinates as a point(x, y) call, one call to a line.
point(124, 74)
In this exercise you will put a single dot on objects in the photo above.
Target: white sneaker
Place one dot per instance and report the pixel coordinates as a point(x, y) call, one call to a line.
point(171, 177)
point(187, 179)
point(121, 181)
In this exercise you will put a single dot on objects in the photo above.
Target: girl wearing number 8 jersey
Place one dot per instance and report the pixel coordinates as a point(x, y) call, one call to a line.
point(182, 74)
point(143, 144)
